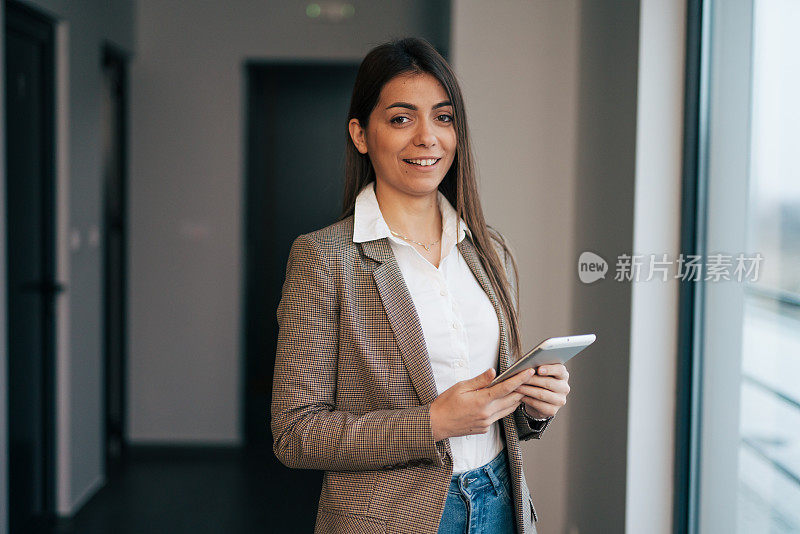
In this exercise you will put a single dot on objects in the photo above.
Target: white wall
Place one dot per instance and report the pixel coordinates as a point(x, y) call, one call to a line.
point(187, 148)
point(517, 63)
point(654, 308)
point(81, 31)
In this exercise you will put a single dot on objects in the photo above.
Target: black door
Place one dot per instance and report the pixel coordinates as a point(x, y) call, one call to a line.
point(115, 252)
point(31, 266)
point(296, 139)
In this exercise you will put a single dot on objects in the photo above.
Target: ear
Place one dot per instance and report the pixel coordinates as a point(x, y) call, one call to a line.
point(358, 135)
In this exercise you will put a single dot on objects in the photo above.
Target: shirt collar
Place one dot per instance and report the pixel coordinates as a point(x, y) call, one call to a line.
point(369, 223)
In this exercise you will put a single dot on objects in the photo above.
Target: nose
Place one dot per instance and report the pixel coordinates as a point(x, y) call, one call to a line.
point(425, 134)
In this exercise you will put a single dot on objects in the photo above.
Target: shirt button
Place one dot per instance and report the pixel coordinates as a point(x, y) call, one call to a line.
point(455, 326)
point(443, 292)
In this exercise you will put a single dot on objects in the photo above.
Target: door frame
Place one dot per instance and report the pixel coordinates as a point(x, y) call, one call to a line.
point(113, 55)
point(33, 22)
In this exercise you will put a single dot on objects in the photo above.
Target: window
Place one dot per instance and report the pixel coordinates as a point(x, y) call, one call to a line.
point(746, 466)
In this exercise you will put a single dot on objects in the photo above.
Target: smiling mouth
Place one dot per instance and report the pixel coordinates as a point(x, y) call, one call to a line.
point(426, 162)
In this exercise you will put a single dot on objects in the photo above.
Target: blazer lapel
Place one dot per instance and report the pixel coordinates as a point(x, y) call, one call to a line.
point(470, 255)
point(403, 317)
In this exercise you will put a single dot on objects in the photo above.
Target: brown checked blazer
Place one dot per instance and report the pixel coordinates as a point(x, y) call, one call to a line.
point(353, 386)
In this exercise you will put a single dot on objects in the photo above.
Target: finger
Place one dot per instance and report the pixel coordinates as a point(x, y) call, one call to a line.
point(480, 381)
point(546, 382)
point(505, 410)
point(545, 395)
point(508, 410)
point(556, 370)
point(547, 410)
point(512, 399)
point(510, 384)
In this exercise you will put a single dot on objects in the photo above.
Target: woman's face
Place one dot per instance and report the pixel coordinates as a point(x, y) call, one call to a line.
point(412, 121)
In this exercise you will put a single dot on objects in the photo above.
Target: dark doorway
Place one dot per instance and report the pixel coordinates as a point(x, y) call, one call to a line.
point(114, 120)
point(32, 289)
point(295, 167)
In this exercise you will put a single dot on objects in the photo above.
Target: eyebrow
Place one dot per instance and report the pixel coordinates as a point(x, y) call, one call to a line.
point(412, 106)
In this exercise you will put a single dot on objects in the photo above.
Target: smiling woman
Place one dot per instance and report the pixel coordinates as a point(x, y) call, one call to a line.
point(411, 144)
point(395, 319)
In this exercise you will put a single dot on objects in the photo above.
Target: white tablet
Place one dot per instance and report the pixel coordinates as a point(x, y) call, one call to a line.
point(553, 350)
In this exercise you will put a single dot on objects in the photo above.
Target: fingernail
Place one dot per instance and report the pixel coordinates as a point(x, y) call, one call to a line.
point(542, 370)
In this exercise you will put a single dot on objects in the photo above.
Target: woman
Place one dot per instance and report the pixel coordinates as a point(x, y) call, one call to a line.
point(388, 315)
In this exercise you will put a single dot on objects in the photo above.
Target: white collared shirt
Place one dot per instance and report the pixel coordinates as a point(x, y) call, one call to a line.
point(460, 326)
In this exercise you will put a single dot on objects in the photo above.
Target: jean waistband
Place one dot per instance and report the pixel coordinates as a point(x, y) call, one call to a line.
point(483, 475)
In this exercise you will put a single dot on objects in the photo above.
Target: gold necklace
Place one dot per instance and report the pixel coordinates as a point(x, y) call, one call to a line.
point(426, 247)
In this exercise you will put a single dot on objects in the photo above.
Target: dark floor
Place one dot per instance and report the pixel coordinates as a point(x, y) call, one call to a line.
point(199, 491)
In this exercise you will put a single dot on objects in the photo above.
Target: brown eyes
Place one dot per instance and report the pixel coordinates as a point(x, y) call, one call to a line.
point(444, 117)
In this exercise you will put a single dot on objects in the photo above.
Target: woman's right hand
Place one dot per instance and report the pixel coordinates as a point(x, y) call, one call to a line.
point(469, 407)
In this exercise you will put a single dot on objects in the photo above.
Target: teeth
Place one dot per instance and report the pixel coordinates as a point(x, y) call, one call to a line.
point(423, 162)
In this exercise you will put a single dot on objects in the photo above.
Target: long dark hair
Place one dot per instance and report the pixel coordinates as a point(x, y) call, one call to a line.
point(459, 186)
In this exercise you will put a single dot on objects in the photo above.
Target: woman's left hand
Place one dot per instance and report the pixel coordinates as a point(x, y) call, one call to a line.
point(546, 391)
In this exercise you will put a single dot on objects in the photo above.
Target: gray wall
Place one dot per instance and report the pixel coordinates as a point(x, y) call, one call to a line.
point(604, 207)
point(577, 121)
point(187, 150)
point(81, 29)
point(570, 162)
point(519, 74)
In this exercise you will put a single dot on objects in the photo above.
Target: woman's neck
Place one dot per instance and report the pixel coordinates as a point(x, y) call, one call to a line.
point(417, 218)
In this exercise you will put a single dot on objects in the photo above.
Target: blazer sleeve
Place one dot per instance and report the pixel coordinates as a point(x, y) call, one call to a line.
point(308, 432)
point(527, 427)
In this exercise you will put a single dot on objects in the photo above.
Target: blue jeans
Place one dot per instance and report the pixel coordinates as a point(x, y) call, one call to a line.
point(480, 501)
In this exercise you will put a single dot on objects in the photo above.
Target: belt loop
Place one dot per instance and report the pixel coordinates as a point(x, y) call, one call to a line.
point(493, 477)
